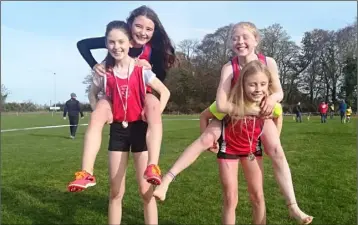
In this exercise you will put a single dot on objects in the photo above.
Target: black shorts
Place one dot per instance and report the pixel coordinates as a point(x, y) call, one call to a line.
point(258, 152)
point(131, 138)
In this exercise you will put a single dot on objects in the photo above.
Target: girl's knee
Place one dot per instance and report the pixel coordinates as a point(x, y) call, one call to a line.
point(103, 104)
point(231, 198)
point(275, 152)
point(257, 197)
point(116, 194)
point(101, 116)
point(207, 139)
point(152, 109)
point(146, 193)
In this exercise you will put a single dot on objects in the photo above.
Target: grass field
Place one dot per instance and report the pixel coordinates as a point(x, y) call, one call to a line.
point(36, 166)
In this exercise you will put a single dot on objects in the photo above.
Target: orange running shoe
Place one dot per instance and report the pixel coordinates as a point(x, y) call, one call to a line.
point(153, 175)
point(83, 180)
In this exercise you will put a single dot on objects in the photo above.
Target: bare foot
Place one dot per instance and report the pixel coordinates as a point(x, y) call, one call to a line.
point(300, 216)
point(160, 191)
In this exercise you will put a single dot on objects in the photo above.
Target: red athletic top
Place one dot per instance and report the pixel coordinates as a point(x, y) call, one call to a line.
point(115, 86)
point(236, 136)
point(236, 67)
point(323, 108)
point(146, 52)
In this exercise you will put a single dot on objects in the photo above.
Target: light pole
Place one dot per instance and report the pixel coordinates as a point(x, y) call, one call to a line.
point(54, 75)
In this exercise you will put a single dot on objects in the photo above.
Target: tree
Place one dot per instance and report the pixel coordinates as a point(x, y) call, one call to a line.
point(214, 50)
point(88, 81)
point(276, 43)
point(188, 48)
point(311, 70)
point(4, 94)
point(349, 87)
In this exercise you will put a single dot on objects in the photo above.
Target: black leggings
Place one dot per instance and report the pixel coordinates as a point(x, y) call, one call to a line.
point(74, 124)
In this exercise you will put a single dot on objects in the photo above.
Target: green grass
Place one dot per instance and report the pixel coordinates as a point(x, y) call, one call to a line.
point(38, 164)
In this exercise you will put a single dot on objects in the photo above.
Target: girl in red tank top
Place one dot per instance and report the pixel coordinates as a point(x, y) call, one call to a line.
point(151, 46)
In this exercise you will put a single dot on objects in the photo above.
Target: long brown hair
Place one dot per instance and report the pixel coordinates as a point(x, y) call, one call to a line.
point(160, 40)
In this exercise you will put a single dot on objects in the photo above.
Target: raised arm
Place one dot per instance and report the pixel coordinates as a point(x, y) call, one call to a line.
point(222, 95)
point(86, 45)
point(223, 91)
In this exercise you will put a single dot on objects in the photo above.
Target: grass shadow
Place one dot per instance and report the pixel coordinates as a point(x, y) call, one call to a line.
point(46, 205)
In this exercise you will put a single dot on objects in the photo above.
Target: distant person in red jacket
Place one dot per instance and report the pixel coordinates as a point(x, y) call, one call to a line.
point(323, 108)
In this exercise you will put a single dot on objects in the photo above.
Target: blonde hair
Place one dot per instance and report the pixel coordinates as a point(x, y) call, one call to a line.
point(245, 25)
point(237, 95)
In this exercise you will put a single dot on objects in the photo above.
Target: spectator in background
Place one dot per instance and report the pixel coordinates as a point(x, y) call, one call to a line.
point(323, 108)
point(331, 108)
point(73, 108)
point(298, 111)
point(342, 111)
point(348, 114)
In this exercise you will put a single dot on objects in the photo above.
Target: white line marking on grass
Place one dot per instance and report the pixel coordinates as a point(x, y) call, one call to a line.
point(37, 128)
point(58, 126)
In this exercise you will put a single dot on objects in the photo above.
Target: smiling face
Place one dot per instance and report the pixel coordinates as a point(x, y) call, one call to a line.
point(142, 30)
point(244, 39)
point(118, 44)
point(256, 86)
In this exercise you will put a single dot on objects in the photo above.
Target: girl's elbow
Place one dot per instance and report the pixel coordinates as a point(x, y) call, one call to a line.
point(80, 44)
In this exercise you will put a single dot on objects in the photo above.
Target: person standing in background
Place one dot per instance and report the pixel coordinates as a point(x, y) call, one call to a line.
point(331, 108)
point(73, 108)
point(348, 114)
point(342, 111)
point(298, 111)
point(323, 108)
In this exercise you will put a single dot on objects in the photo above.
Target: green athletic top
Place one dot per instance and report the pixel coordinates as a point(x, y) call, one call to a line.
point(277, 111)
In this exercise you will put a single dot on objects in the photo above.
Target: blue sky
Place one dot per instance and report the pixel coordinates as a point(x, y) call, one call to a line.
point(39, 38)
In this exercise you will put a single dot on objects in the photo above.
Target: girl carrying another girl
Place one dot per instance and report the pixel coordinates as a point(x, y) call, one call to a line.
point(125, 85)
point(244, 39)
point(150, 44)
